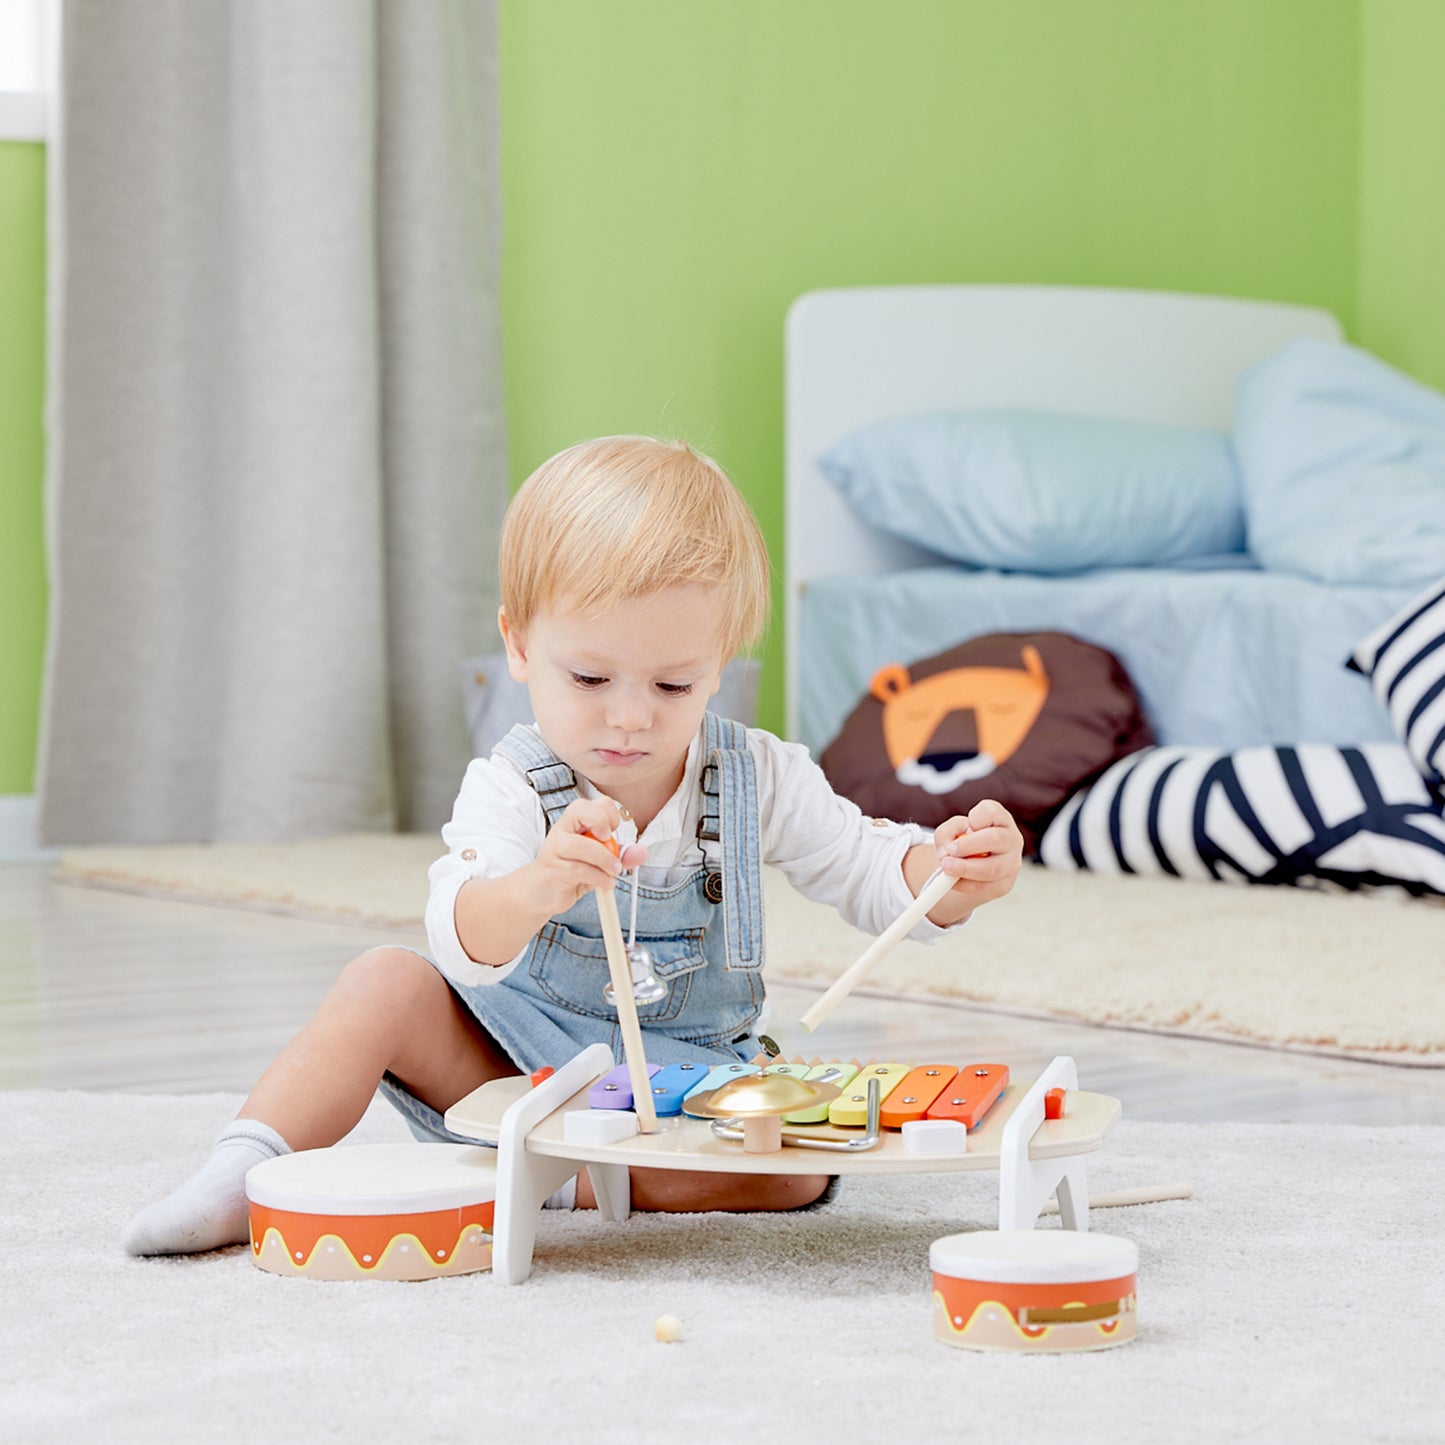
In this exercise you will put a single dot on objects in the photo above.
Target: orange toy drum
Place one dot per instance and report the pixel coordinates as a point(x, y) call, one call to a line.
point(374, 1211)
point(1041, 1291)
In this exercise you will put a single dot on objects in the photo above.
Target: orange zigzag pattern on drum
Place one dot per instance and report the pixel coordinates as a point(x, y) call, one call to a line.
point(367, 1237)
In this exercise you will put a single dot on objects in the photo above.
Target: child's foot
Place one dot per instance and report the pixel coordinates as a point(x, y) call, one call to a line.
point(209, 1210)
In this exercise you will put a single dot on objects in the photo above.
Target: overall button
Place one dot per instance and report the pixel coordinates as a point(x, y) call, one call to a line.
point(712, 887)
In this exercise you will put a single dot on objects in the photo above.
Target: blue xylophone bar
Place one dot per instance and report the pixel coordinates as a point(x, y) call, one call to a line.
point(674, 1083)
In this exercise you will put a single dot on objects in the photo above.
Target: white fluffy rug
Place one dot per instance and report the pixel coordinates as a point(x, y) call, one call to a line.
point(1296, 1296)
point(1361, 975)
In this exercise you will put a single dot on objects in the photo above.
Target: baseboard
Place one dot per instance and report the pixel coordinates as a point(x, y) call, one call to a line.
point(18, 843)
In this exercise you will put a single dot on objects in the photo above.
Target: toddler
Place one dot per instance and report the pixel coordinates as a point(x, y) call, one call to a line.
point(631, 571)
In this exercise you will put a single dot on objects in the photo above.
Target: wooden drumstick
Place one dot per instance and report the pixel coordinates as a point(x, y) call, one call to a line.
point(1144, 1194)
point(633, 1053)
point(632, 1049)
point(928, 896)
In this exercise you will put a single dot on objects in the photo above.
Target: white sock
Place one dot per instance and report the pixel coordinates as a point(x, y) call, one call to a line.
point(209, 1210)
point(563, 1198)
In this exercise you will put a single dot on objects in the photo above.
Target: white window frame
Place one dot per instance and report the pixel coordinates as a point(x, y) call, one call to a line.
point(25, 114)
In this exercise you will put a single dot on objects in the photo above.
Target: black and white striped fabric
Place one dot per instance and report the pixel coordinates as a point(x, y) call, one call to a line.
point(1354, 816)
point(1405, 662)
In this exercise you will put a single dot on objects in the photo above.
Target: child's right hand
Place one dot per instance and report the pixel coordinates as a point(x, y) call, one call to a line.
point(573, 860)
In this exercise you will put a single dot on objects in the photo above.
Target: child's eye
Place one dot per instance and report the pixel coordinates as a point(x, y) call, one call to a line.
point(584, 679)
point(674, 689)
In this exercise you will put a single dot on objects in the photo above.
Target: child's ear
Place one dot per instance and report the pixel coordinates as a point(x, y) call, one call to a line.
point(516, 646)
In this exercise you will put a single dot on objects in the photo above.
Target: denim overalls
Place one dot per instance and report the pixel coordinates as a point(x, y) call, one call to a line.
point(705, 934)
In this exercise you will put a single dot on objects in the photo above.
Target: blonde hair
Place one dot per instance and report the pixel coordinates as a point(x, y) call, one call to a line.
point(627, 516)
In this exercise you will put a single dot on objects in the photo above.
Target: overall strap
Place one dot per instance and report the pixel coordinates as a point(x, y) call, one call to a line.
point(554, 782)
point(728, 826)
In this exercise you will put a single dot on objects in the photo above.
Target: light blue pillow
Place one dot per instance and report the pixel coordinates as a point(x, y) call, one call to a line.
point(1342, 462)
point(1036, 491)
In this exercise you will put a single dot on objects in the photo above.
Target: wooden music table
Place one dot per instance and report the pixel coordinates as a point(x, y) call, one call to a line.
point(1035, 1157)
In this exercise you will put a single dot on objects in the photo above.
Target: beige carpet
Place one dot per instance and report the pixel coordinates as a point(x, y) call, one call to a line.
point(1359, 975)
point(1292, 1298)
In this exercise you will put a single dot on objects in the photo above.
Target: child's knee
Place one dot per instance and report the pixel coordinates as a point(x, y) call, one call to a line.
point(390, 977)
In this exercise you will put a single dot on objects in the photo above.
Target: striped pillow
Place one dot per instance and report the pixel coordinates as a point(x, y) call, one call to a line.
point(1405, 662)
point(1355, 816)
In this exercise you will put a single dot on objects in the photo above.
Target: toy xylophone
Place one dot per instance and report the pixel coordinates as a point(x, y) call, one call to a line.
point(907, 1092)
point(1037, 1149)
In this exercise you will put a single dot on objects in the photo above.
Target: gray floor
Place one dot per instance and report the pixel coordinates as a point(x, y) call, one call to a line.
point(108, 991)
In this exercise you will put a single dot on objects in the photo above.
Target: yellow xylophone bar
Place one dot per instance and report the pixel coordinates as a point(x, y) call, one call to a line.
point(850, 1108)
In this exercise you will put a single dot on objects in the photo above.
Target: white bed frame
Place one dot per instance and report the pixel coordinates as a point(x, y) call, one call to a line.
point(861, 355)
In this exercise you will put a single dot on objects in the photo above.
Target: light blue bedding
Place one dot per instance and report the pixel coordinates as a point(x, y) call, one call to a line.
point(1342, 460)
point(1042, 491)
point(1229, 658)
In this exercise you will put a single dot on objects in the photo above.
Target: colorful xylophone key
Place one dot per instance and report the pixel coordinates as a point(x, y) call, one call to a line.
point(915, 1092)
point(850, 1108)
point(835, 1072)
point(972, 1093)
point(720, 1074)
point(673, 1083)
point(614, 1090)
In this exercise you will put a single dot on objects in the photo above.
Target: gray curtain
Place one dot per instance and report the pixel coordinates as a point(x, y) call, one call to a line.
point(275, 454)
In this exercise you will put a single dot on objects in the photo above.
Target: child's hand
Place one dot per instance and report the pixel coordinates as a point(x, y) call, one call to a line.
point(574, 859)
point(983, 851)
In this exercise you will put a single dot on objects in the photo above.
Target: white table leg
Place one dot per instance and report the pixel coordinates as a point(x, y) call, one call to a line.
point(525, 1180)
point(1024, 1183)
point(1073, 1193)
point(514, 1226)
point(612, 1186)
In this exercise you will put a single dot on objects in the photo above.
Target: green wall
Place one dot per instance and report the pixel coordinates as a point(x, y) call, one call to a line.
point(22, 368)
point(676, 172)
point(1402, 195)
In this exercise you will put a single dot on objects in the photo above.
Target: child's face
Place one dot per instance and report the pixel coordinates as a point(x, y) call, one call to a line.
point(618, 698)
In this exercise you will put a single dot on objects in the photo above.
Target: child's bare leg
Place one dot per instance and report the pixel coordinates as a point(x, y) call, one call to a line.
point(390, 1010)
point(686, 1191)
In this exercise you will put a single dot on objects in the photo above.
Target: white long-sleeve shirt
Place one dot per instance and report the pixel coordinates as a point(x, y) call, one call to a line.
point(822, 843)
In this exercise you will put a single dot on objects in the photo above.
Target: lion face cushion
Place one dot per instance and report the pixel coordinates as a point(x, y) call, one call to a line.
point(1025, 718)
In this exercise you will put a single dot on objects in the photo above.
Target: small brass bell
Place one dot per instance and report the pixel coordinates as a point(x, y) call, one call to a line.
point(646, 986)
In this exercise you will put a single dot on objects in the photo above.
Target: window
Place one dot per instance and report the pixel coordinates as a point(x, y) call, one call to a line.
point(24, 68)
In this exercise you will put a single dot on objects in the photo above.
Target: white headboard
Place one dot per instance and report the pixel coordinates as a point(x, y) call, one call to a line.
point(862, 354)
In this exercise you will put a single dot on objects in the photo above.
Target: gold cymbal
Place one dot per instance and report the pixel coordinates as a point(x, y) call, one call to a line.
point(758, 1095)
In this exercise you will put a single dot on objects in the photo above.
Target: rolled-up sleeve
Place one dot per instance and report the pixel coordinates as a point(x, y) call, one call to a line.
point(496, 827)
point(825, 845)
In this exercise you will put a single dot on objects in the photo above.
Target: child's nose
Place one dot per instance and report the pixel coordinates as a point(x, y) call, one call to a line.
point(631, 711)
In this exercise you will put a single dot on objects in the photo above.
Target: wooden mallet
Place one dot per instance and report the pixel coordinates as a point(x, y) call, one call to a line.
point(928, 897)
point(633, 1052)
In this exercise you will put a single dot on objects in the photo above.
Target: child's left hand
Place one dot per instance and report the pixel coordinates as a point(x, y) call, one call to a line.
point(982, 850)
